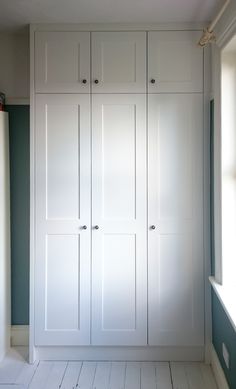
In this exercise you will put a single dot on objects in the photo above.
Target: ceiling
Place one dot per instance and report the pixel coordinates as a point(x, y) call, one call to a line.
point(15, 14)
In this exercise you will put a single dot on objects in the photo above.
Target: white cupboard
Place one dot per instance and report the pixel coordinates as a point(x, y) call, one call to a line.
point(175, 63)
point(62, 62)
point(119, 215)
point(63, 196)
point(118, 189)
point(175, 203)
point(119, 62)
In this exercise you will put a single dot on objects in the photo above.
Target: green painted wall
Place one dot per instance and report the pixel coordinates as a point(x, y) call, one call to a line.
point(19, 179)
point(222, 330)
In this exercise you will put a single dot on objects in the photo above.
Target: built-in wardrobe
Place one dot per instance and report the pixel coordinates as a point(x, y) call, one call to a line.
point(117, 193)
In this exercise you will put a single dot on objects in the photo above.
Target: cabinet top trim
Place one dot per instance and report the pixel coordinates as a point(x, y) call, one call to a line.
point(118, 27)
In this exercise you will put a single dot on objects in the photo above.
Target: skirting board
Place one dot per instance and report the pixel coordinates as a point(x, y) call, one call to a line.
point(218, 371)
point(122, 353)
point(19, 335)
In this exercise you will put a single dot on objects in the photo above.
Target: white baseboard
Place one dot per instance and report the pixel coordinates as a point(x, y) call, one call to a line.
point(19, 335)
point(218, 371)
point(119, 353)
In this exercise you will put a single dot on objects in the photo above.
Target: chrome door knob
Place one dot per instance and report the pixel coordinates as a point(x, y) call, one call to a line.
point(96, 81)
point(153, 227)
point(84, 227)
point(153, 81)
point(96, 227)
point(84, 81)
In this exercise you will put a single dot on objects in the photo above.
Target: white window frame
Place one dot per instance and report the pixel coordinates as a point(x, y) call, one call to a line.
point(224, 292)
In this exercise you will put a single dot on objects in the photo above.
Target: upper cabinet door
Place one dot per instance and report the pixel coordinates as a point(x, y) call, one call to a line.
point(119, 62)
point(175, 62)
point(62, 62)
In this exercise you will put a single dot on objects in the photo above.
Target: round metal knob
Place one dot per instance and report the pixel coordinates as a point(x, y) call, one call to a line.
point(153, 81)
point(153, 227)
point(96, 227)
point(84, 81)
point(96, 81)
point(84, 227)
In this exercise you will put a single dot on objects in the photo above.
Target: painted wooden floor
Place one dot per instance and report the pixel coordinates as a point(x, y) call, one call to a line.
point(15, 373)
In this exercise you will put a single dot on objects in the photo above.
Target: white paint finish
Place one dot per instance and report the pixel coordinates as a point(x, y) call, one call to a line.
point(132, 375)
point(42, 375)
point(62, 283)
point(62, 61)
point(87, 375)
point(163, 375)
point(192, 376)
point(105, 375)
point(62, 143)
point(56, 375)
point(119, 62)
point(19, 335)
point(148, 375)
point(71, 375)
point(26, 374)
point(104, 11)
point(175, 62)
point(14, 77)
point(176, 300)
point(118, 375)
point(5, 260)
point(102, 375)
point(117, 353)
point(62, 246)
point(119, 246)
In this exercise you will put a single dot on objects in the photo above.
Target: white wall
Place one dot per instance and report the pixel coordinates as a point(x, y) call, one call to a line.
point(14, 66)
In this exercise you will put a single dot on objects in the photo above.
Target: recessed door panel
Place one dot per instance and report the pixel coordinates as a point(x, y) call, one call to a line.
point(176, 280)
point(119, 282)
point(62, 160)
point(62, 282)
point(63, 204)
point(175, 62)
point(62, 62)
point(118, 62)
point(119, 220)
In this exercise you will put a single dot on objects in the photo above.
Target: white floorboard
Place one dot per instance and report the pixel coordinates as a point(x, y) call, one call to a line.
point(16, 373)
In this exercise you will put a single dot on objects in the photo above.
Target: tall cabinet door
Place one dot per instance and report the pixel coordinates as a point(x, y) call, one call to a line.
point(175, 277)
point(62, 62)
point(62, 256)
point(175, 62)
point(119, 259)
point(119, 62)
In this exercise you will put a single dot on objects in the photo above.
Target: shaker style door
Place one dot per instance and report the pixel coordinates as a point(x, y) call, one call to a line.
point(175, 62)
point(175, 228)
point(63, 203)
point(118, 62)
point(62, 62)
point(119, 237)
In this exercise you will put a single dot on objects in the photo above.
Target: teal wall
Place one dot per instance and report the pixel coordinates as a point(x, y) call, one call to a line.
point(222, 330)
point(19, 181)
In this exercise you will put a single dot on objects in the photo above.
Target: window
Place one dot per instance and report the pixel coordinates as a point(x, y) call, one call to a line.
point(228, 162)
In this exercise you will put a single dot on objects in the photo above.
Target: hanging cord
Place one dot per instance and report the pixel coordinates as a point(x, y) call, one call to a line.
point(208, 35)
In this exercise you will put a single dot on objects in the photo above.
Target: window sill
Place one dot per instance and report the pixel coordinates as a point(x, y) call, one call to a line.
point(226, 296)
